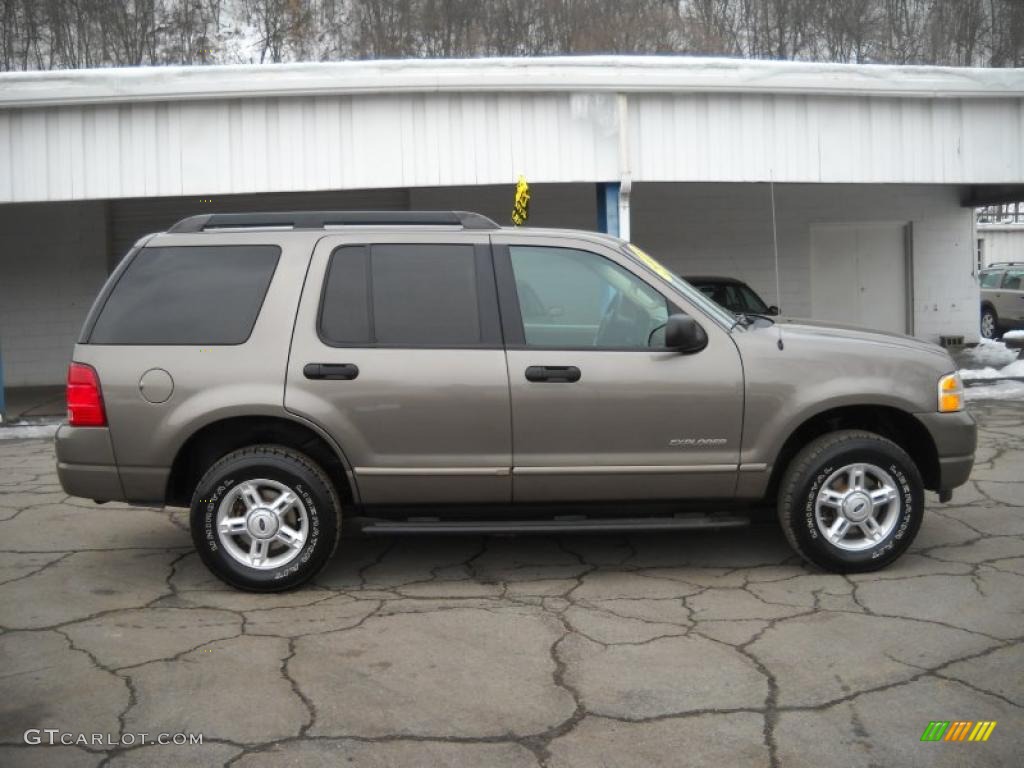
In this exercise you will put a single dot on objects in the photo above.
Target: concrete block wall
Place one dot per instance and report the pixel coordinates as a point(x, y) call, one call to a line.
point(726, 229)
point(55, 256)
point(53, 261)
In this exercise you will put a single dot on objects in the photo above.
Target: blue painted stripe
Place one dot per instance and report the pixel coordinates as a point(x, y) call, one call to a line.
point(608, 207)
point(3, 400)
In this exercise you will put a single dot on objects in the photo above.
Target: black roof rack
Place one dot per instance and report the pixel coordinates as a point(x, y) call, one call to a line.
point(1004, 264)
point(324, 219)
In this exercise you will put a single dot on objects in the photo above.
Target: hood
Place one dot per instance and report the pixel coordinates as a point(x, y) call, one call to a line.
point(815, 328)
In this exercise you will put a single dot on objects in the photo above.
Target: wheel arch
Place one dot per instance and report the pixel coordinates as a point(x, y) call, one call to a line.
point(892, 423)
point(218, 438)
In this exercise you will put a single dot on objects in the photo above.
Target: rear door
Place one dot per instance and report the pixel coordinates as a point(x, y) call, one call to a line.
point(397, 353)
point(600, 409)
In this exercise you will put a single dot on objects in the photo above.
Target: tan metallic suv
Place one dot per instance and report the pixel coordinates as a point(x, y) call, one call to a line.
point(433, 372)
point(1002, 298)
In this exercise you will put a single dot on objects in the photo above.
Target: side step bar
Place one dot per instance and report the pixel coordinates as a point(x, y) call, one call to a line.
point(562, 525)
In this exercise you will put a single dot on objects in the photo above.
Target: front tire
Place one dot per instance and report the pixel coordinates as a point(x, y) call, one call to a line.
point(989, 323)
point(265, 518)
point(851, 501)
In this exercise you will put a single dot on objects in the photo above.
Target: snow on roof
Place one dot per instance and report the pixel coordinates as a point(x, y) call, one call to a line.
point(626, 74)
point(997, 227)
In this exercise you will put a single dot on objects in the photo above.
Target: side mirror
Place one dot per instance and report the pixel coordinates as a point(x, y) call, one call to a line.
point(684, 334)
point(773, 310)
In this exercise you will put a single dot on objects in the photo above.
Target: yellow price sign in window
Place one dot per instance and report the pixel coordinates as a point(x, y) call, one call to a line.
point(521, 205)
point(655, 265)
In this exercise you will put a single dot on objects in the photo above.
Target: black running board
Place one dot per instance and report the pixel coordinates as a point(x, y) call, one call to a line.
point(564, 525)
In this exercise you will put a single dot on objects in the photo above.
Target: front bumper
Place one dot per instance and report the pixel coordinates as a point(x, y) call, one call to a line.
point(956, 438)
point(85, 463)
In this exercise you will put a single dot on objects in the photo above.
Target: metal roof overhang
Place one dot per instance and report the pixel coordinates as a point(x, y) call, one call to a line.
point(623, 74)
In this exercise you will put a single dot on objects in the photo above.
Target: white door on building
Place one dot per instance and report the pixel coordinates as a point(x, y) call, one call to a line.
point(859, 274)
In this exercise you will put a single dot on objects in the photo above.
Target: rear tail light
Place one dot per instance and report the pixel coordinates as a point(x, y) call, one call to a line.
point(85, 401)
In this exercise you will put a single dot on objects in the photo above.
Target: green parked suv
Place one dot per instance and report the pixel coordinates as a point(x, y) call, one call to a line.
point(433, 372)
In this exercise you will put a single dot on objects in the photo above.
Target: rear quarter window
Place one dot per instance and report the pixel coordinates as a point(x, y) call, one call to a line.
point(188, 295)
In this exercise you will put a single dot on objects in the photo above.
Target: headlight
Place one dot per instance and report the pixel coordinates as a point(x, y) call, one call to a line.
point(951, 393)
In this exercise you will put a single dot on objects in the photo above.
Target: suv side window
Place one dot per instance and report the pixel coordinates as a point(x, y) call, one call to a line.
point(412, 295)
point(1012, 279)
point(990, 279)
point(188, 295)
point(572, 299)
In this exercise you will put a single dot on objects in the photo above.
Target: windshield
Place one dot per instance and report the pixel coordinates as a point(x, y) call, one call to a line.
point(718, 312)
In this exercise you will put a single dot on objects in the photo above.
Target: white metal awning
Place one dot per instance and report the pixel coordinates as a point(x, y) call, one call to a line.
point(172, 131)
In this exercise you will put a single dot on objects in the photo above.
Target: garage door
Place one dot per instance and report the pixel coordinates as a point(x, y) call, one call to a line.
point(859, 274)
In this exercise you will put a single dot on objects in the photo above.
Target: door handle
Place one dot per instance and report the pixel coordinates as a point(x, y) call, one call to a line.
point(565, 374)
point(336, 371)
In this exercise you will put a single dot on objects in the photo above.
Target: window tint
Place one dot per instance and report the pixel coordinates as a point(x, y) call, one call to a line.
point(188, 295)
point(734, 298)
point(715, 292)
point(990, 279)
point(751, 300)
point(404, 295)
point(1012, 279)
point(575, 299)
point(344, 310)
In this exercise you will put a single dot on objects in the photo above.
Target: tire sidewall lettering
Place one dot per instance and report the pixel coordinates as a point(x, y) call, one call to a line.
point(804, 525)
point(212, 495)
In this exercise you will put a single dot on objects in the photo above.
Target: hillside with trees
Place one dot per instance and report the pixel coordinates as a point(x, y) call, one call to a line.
point(59, 34)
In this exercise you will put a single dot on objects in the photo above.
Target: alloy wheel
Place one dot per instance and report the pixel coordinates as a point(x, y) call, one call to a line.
point(857, 507)
point(262, 524)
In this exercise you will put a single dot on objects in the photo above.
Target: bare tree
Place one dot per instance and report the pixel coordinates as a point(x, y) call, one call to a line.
point(384, 28)
point(44, 34)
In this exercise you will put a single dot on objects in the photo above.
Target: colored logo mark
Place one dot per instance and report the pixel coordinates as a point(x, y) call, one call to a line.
point(958, 730)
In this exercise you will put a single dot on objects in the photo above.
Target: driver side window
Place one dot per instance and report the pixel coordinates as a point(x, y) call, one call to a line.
point(572, 299)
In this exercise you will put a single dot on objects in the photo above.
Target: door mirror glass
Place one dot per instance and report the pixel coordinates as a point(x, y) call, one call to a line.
point(684, 334)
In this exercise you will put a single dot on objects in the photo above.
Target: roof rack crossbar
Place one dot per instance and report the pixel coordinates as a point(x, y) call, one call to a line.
point(323, 219)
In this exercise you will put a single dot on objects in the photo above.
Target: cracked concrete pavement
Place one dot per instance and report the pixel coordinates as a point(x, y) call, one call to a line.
point(709, 648)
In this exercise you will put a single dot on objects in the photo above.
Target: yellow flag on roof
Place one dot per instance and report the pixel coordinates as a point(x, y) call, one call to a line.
point(521, 205)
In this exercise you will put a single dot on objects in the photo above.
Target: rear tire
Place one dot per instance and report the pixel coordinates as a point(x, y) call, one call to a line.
point(851, 501)
point(989, 323)
point(265, 518)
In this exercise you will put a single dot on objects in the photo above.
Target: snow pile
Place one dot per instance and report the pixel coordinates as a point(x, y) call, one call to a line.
point(988, 354)
point(1014, 335)
point(1013, 370)
point(25, 431)
point(992, 371)
point(1001, 390)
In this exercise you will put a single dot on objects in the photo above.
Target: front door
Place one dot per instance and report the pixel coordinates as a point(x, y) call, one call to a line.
point(397, 354)
point(600, 409)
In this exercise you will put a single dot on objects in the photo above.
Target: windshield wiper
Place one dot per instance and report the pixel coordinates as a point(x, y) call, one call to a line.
point(741, 319)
